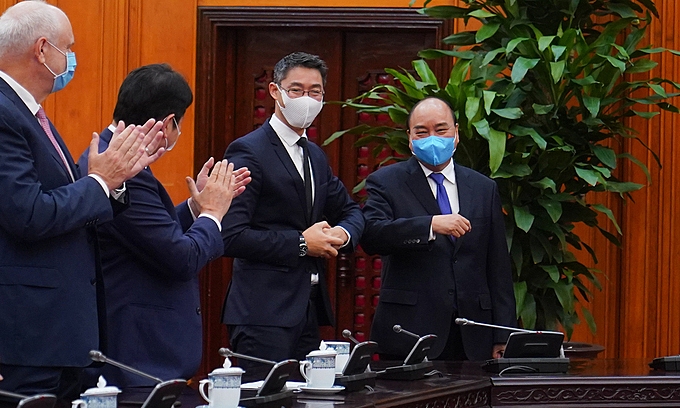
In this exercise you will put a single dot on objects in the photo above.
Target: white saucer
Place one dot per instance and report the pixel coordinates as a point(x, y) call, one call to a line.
point(323, 391)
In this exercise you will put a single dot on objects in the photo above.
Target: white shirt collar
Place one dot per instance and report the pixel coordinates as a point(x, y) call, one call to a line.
point(286, 134)
point(447, 171)
point(25, 96)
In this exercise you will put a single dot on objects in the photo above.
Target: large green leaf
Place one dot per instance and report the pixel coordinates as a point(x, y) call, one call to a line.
point(520, 294)
point(557, 70)
point(496, 141)
point(425, 72)
point(554, 208)
point(461, 38)
point(590, 176)
point(606, 155)
point(592, 104)
point(553, 272)
point(604, 210)
point(509, 113)
point(489, 97)
point(487, 31)
point(445, 12)
point(520, 68)
point(523, 218)
point(621, 9)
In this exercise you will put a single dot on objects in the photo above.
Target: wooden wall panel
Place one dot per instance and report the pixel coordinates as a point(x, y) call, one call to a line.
point(637, 312)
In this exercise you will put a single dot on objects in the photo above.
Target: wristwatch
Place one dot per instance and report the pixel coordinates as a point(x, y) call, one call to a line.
point(303, 246)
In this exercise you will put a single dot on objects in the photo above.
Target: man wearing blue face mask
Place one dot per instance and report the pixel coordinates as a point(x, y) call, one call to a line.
point(440, 231)
point(49, 262)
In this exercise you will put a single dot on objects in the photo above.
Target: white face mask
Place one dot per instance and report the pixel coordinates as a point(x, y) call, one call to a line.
point(299, 112)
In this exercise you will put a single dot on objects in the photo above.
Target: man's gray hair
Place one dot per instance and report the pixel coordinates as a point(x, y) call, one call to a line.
point(22, 24)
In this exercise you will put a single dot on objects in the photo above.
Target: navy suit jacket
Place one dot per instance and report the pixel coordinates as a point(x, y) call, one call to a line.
point(421, 277)
point(48, 309)
point(151, 256)
point(270, 285)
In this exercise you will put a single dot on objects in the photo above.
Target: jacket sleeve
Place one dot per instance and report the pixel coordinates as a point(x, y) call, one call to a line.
point(241, 240)
point(387, 231)
point(147, 230)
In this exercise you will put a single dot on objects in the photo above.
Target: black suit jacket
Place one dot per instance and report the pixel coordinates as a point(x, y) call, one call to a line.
point(421, 277)
point(48, 310)
point(270, 285)
point(151, 256)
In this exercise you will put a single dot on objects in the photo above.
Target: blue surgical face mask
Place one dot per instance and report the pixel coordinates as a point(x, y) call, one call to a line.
point(60, 80)
point(434, 150)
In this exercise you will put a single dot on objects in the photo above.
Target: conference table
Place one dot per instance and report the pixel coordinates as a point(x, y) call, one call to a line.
point(591, 383)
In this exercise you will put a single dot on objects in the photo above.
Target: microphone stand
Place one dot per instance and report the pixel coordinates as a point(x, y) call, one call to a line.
point(164, 394)
point(357, 373)
point(416, 364)
point(273, 387)
point(521, 364)
point(35, 401)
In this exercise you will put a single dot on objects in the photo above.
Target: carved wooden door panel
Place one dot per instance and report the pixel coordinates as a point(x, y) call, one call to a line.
point(237, 50)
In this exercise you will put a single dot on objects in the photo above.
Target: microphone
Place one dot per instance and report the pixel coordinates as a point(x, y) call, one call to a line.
point(12, 395)
point(98, 356)
point(348, 335)
point(225, 352)
point(398, 329)
point(466, 322)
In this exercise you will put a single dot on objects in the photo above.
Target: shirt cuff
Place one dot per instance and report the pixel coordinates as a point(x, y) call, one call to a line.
point(432, 235)
point(101, 183)
point(117, 193)
point(349, 237)
point(217, 222)
point(194, 216)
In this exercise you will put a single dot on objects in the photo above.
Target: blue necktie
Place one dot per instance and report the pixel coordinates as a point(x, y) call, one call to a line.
point(442, 197)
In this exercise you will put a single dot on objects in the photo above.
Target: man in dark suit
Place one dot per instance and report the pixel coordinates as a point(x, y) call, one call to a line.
point(48, 306)
point(290, 219)
point(440, 231)
point(152, 253)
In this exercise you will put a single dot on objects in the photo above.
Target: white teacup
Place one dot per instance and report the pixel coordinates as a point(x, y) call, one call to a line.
point(98, 397)
point(224, 387)
point(342, 350)
point(319, 368)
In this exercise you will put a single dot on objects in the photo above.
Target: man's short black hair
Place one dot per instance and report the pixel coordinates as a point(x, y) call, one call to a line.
point(408, 118)
point(152, 91)
point(299, 59)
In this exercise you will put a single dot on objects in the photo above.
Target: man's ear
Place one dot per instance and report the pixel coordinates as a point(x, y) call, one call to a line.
point(38, 49)
point(274, 91)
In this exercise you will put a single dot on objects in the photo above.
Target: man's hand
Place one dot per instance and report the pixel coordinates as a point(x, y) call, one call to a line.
point(241, 180)
point(319, 243)
point(337, 232)
point(498, 350)
point(202, 177)
point(451, 224)
point(126, 154)
point(218, 191)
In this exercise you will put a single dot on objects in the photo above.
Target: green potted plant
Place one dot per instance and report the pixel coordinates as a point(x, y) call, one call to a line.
point(541, 92)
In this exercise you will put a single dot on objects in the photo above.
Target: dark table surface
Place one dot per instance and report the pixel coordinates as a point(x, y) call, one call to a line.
point(466, 378)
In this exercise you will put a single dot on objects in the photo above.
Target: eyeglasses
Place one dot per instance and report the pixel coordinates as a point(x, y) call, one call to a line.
point(297, 93)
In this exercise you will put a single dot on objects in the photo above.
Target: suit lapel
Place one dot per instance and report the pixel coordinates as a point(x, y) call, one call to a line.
point(284, 157)
point(9, 92)
point(417, 182)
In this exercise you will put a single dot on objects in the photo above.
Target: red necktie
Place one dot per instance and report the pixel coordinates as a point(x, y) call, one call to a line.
point(45, 124)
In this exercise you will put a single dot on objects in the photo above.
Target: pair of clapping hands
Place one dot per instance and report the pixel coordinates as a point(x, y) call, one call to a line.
point(129, 153)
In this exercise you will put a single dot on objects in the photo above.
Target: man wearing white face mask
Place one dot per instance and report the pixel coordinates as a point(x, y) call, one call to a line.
point(153, 252)
point(440, 231)
point(293, 216)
